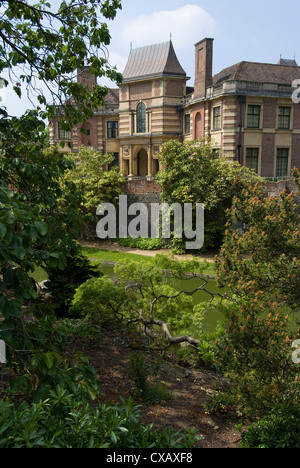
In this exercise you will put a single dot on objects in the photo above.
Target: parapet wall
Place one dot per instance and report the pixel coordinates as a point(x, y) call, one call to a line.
point(140, 186)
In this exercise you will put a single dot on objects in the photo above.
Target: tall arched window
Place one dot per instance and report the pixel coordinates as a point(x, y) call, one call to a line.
point(141, 118)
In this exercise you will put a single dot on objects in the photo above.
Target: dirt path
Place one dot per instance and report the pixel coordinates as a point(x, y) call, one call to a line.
point(115, 247)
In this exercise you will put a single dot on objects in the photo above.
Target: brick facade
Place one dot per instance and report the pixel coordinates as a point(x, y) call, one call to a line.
point(218, 107)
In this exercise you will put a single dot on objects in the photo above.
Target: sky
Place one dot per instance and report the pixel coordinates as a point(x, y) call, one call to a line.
point(258, 31)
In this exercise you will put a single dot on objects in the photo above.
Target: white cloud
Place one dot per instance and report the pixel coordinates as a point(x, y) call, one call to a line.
point(187, 24)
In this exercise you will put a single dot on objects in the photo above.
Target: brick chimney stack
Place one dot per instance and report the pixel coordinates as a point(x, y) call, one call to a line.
point(203, 67)
point(85, 77)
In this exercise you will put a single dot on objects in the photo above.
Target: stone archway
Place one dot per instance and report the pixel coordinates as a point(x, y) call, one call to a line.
point(142, 163)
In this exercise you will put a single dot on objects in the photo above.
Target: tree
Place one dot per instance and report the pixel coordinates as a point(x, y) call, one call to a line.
point(94, 183)
point(139, 296)
point(39, 221)
point(264, 257)
point(261, 265)
point(34, 232)
point(39, 43)
point(192, 174)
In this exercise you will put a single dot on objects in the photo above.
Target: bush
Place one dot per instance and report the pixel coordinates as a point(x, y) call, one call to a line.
point(275, 431)
point(140, 372)
point(64, 422)
point(141, 243)
point(98, 301)
point(63, 283)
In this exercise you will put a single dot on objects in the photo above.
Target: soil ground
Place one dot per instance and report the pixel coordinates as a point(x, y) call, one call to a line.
point(189, 387)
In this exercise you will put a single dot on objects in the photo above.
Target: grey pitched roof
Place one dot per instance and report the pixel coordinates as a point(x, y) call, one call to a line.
point(152, 61)
point(258, 72)
point(287, 62)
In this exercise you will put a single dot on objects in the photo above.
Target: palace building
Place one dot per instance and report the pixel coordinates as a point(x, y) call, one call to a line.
point(246, 109)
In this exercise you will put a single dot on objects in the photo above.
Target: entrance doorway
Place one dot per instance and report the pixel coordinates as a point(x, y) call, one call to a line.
point(142, 163)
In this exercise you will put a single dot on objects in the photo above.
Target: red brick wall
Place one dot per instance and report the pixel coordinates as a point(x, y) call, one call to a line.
point(270, 113)
point(141, 91)
point(276, 188)
point(174, 88)
point(92, 139)
point(268, 155)
point(295, 157)
point(140, 186)
point(296, 120)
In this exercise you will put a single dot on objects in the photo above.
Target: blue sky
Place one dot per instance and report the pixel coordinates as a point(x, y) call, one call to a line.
point(258, 31)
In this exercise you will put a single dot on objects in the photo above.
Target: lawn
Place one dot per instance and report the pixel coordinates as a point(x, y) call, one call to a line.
point(113, 256)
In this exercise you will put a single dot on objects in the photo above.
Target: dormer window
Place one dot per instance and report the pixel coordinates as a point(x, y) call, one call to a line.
point(141, 118)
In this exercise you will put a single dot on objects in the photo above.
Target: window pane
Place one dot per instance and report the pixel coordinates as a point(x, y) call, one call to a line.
point(217, 118)
point(187, 124)
point(284, 118)
point(141, 118)
point(282, 165)
point(253, 117)
point(252, 158)
point(112, 129)
point(63, 134)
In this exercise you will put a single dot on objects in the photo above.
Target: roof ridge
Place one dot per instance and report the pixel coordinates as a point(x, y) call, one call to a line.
point(240, 66)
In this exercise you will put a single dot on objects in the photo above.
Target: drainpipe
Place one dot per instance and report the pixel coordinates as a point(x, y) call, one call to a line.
point(242, 101)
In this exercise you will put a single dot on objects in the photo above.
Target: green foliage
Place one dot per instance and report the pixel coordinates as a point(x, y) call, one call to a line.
point(140, 372)
point(140, 295)
point(94, 184)
point(261, 266)
point(49, 43)
point(265, 256)
point(141, 243)
point(192, 174)
point(34, 231)
point(63, 421)
point(99, 300)
point(62, 284)
point(47, 371)
point(274, 431)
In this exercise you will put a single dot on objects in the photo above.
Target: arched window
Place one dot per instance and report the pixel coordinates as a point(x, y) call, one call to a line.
point(141, 118)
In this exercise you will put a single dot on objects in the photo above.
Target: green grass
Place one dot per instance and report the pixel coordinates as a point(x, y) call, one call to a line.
point(112, 256)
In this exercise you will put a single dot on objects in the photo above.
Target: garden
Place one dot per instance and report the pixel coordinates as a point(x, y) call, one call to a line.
point(117, 349)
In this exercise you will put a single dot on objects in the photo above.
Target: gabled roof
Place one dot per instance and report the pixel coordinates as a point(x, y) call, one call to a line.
point(152, 61)
point(287, 62)
point(259, 72)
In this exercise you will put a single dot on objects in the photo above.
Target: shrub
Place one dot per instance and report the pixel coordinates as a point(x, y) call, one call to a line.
point(140, 372)
point(98, 300)
point(63, 283)
point(64, 422)
point(141, 243)
point(256, 354)
point(275, 431)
